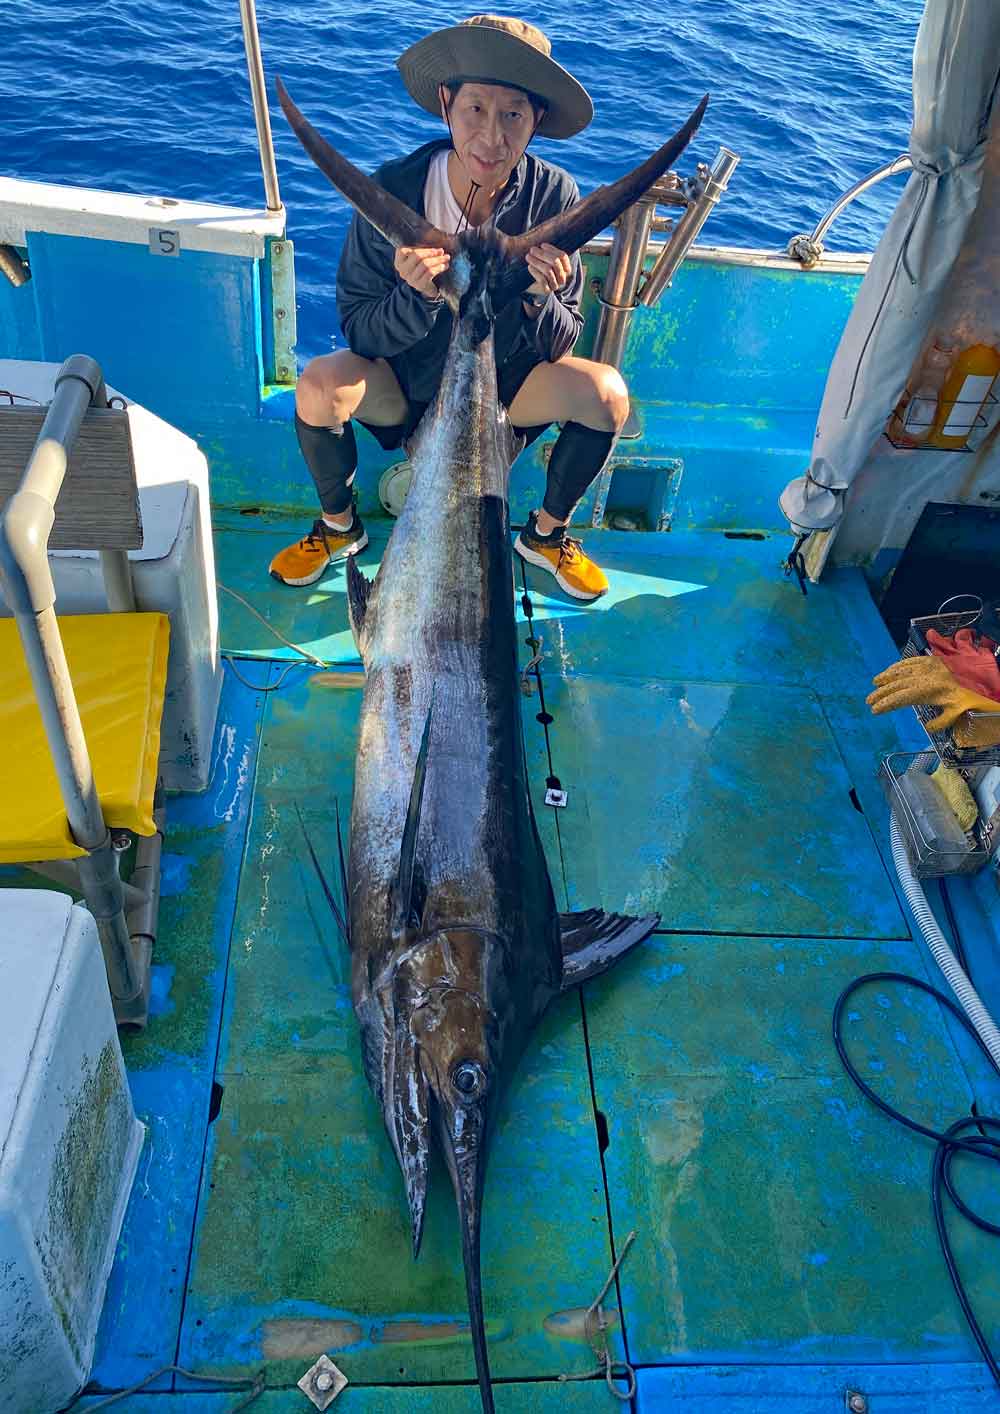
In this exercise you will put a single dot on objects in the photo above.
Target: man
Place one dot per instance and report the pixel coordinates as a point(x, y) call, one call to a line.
point(494, 84)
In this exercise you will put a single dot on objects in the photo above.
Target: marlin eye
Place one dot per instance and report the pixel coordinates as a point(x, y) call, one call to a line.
point(469, 1079)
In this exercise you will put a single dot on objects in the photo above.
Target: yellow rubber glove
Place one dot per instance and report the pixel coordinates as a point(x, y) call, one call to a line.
point(926, 681)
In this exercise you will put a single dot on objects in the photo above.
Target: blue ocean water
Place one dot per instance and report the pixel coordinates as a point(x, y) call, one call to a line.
point(155, 100)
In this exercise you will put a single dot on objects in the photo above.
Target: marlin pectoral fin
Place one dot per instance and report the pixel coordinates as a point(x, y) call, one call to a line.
point(359, 588)
point(593, 940)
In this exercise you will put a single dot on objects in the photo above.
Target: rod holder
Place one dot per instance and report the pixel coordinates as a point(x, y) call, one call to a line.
point(708, 187)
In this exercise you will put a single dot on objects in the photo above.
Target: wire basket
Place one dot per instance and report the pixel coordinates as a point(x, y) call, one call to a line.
point(910, 426)
point(948, 624)
point(934, 840)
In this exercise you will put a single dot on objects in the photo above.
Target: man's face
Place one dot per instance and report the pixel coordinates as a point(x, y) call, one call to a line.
point(490, 127)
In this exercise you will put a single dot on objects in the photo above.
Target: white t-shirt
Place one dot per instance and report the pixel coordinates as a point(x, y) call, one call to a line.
point(440, 206)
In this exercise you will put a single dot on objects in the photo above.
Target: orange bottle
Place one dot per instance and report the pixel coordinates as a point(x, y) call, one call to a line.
point(963, 396)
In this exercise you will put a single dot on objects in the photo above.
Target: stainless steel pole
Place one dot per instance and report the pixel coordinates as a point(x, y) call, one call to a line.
point(714, 182)
point(624, 268)
point(258, 89)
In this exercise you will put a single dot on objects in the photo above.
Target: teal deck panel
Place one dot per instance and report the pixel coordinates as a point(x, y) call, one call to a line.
point(303, 1232)
point(781, 1218)
point(315, 617)
point(725, 808)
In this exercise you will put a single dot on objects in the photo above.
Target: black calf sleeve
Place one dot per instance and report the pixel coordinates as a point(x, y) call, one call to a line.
point(332, 458)
point(577, 460)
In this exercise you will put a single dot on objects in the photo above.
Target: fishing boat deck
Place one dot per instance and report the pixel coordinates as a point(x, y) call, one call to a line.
point(708, 726)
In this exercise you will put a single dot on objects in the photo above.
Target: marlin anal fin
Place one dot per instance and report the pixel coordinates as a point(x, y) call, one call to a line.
point(407, 906)
point(359, 588)
point(593, 940)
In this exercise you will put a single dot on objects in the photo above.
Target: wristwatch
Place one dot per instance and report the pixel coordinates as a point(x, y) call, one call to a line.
point(536, 301)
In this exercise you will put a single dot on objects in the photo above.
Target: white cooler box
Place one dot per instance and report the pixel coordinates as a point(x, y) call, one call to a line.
point(69, 1145)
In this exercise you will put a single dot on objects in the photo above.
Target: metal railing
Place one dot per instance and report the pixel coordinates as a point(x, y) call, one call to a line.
point(808, 249)
point(258, 90)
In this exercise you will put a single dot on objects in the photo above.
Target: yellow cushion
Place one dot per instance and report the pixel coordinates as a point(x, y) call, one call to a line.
point(118, 666)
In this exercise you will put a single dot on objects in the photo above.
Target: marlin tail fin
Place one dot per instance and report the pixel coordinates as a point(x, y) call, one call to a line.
point(574, 228)
point(391, 217)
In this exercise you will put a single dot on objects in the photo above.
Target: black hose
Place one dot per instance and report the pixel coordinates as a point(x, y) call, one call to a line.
point(949, 1144)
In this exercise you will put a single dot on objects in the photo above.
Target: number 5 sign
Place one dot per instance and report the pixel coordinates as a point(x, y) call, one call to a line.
point(163, 242)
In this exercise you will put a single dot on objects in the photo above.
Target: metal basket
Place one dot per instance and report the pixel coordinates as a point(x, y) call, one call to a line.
point(929, 858)
point(918, 416)
point(948, 624)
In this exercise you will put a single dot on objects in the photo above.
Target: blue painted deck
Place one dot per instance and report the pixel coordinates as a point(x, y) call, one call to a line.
point(709, 727)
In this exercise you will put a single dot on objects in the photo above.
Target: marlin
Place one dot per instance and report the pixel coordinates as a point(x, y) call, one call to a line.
point(457, 946)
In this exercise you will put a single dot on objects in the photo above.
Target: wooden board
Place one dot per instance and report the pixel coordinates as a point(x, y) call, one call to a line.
point(98, 505)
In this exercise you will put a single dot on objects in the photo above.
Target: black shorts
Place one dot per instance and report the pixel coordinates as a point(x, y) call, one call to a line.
point(510, 377)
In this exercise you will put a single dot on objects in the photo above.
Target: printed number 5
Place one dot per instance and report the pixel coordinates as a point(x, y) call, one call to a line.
point(162, 242)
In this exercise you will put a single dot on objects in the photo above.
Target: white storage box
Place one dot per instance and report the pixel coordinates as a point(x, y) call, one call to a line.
point(69, 1145)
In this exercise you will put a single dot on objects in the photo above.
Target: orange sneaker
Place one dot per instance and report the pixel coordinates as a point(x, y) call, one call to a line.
point(307, 559)
point(564, 557)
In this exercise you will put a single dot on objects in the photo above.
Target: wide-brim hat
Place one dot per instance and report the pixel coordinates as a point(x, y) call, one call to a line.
point(497, 49)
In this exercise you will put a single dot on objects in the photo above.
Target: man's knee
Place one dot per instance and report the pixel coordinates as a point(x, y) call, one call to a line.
point(329, 388)
point(609, 398)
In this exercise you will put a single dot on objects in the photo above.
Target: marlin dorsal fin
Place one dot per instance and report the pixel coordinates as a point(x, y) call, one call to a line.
point(359, 588)
point(407, 909)
point(593, 940)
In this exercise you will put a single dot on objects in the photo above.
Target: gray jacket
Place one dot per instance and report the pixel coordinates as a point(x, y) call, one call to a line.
point(383, 317)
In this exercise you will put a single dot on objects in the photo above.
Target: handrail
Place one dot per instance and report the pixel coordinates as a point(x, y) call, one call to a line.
point(26, 579)
point(258, 90)
point(808, 249)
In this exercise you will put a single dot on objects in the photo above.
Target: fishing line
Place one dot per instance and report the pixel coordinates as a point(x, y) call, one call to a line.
point(256, 1385)
point(535, 643)
point(948, 1144)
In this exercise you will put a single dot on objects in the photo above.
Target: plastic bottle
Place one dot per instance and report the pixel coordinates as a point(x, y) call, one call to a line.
point(916, 414)
point(963, 396)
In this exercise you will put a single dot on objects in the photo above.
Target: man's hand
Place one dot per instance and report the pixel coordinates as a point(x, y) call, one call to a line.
point(418, 266)
point(551, 268)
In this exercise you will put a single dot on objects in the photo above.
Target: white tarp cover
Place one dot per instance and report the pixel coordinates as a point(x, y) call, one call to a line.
point(956, 67)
